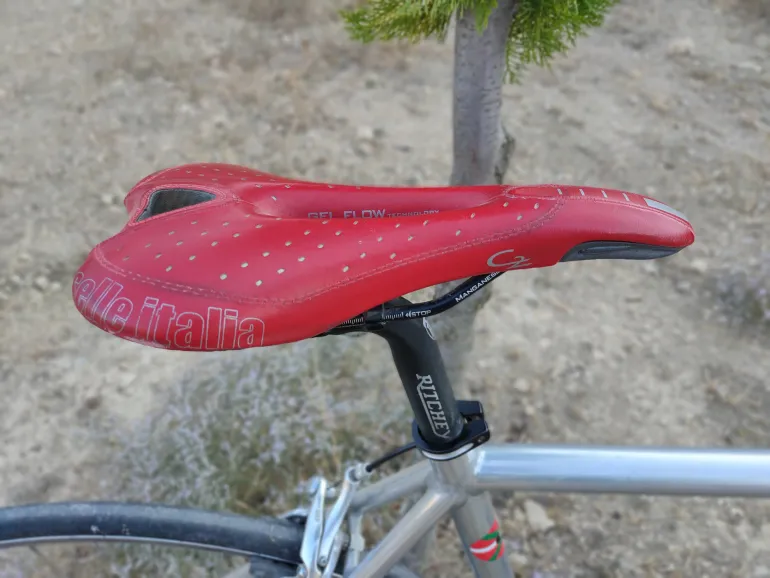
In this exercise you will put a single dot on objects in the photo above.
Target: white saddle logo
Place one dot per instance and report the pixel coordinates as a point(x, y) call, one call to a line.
point(500, 260)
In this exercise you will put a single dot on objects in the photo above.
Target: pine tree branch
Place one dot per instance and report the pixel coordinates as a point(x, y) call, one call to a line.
point(540, 30)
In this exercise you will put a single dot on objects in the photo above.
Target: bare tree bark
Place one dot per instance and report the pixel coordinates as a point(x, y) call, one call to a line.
point(480, 151)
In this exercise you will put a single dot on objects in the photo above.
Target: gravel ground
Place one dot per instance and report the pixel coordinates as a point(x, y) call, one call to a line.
point(669, 99)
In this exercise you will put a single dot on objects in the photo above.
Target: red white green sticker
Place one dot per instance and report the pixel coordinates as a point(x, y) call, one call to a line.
point(490, 546)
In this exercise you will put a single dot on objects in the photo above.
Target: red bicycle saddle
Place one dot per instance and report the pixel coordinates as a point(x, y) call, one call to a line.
point(220, 257)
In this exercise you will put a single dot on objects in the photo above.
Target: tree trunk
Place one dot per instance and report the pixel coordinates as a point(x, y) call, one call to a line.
point(482, 151)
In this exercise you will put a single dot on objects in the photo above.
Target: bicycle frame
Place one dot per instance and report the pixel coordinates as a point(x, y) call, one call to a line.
point(459, 488)
point(456, 481)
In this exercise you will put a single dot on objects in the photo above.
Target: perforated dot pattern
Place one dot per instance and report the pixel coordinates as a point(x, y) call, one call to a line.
point(300, 256)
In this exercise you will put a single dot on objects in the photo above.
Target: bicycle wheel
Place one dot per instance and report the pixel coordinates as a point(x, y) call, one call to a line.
point(270, 538)
point(271, 544)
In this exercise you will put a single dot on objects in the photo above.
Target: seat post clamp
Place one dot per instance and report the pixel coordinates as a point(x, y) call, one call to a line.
point(475, 432)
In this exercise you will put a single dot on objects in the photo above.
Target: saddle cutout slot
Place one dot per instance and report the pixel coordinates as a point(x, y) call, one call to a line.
point(167, 200)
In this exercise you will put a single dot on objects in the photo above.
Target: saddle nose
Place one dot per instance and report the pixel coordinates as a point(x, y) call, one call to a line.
point(671, 235)
point(595, 223)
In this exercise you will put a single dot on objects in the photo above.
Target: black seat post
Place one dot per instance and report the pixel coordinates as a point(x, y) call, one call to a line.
point(421, 368)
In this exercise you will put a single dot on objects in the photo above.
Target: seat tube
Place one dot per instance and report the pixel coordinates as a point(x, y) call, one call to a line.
point(475, 520)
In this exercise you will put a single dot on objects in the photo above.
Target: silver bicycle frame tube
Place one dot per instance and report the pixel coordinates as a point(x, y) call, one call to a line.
point(459, 487)
point(612, 470)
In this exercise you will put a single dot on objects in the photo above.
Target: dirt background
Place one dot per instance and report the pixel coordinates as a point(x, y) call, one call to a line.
point(670, 99)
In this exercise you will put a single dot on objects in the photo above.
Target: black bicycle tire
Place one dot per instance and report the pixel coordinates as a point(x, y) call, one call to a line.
point(271, 539)
point(234, 534)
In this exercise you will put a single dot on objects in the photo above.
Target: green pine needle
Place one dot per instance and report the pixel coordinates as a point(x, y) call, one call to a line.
point(540, 30)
